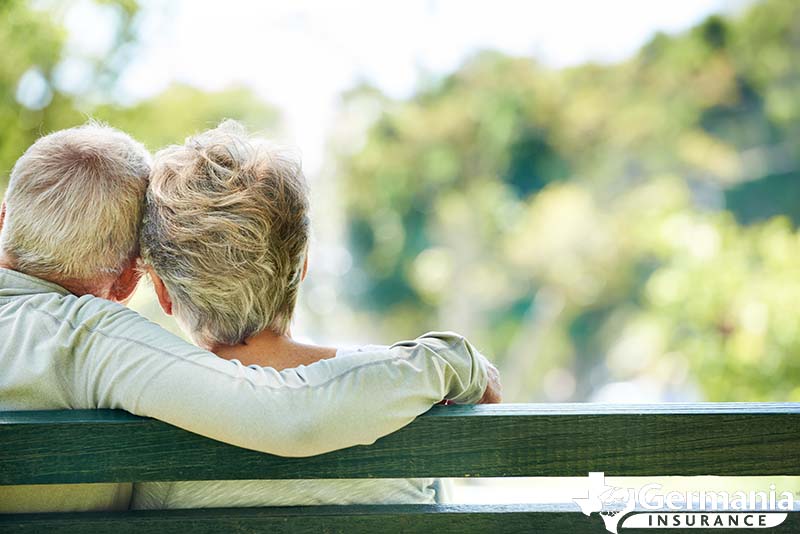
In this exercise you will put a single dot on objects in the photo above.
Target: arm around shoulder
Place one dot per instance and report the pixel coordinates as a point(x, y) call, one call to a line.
point(331, 404)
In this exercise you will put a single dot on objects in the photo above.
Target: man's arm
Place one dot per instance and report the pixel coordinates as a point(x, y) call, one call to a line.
point(132, 364)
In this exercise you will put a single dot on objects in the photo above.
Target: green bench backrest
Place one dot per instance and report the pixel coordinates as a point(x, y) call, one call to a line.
point(84, 446)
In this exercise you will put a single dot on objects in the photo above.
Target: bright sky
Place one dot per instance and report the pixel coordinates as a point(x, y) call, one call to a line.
point(301, 55)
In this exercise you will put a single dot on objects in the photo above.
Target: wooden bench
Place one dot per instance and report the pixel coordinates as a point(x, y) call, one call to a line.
point(85, 446)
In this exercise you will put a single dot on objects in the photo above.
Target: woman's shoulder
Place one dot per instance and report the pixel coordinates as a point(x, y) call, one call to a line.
point(354, 349)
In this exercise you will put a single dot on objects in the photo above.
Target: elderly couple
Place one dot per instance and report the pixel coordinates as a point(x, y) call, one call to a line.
point(221, 227)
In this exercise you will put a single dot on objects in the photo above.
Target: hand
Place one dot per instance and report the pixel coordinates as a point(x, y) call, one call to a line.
point(494, 389)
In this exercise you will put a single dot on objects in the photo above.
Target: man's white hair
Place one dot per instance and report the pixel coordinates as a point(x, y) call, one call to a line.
point(74, 204)
point(226, 228)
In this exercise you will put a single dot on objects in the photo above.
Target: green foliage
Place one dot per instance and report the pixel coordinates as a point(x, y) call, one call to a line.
point(181, 110)
point(33, 44)
point(28, 41)
point(624, 223)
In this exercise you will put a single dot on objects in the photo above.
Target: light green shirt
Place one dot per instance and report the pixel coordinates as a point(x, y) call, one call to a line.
point(243, 493)
point(60, 351)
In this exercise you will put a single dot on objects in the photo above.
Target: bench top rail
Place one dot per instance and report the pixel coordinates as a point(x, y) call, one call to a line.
point(351, 519)
point(85, 446)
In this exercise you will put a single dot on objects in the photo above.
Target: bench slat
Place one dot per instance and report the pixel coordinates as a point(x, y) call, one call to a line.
point(84, 446)
point(425, 519)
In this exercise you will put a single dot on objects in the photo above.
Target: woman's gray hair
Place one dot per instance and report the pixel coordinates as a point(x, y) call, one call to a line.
point(226, 228)
point(74, 204)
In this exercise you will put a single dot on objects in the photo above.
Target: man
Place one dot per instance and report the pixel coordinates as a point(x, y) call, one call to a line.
point(68, 249)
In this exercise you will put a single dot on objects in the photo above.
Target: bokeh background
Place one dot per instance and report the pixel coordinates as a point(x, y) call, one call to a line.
point(603, 196)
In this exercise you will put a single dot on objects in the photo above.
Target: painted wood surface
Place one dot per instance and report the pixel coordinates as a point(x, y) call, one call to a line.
point(449, 441)
point(427, 519)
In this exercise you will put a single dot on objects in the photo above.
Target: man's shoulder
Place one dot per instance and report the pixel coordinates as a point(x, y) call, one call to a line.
point(82, 319)
point(71, 311)
point(93, 317)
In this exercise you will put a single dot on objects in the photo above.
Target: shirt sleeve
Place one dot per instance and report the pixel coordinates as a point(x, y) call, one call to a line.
point(132, 364)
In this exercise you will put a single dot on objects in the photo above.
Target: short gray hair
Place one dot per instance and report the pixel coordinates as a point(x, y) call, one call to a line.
point(74, 204)
point(226, 228)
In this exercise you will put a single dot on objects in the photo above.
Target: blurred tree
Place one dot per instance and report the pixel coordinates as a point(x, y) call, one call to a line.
point(31, 45)
point(35, 100)
point(181, 110)
point(585, 225)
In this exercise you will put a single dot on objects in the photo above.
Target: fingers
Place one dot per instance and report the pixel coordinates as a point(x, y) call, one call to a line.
point(494, 388)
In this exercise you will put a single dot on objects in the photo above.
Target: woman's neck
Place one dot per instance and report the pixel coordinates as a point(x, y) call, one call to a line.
point(269, 349)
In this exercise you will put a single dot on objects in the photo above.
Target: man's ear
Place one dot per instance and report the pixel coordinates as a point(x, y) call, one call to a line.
point(161, 292)
point(126, 283)
point(2, 215)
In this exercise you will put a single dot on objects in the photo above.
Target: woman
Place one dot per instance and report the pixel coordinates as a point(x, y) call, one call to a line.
point(225, 241)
